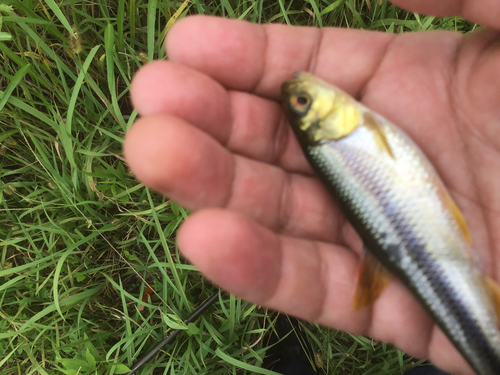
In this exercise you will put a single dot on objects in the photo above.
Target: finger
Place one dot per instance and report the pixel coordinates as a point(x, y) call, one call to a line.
point(485, 13)
point(187, 165)
point(165, 87)
point(283, 273)
point(451, 360)
point(179, 161)
point(311, 280)
point(245, 123)
point(255, 58)
point(477, 90)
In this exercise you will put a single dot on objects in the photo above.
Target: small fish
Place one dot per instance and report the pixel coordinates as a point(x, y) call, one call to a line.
point(409, 223)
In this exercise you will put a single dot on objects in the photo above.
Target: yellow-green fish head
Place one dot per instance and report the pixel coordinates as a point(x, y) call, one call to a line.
point(317, 110)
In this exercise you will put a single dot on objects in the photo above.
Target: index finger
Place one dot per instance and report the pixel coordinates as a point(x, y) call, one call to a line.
point(484, 12)
point(258, 58)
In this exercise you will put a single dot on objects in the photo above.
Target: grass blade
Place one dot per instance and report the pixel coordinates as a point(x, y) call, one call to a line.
point(13, 84)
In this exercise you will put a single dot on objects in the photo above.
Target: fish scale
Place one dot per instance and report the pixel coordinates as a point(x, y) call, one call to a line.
point(395, 200)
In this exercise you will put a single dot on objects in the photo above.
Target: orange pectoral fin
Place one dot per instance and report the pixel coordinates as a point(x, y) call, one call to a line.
point(378, 133)
point(373, 279)
point(494, 291)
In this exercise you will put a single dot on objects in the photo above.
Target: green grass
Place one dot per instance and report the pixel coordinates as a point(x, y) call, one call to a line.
point(80, 238)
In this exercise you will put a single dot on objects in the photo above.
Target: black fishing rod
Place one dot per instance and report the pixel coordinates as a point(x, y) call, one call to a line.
point(174, 334)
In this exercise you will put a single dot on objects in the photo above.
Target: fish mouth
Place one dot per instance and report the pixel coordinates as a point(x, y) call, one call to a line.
point(300, 75)
point(287, 88)
point(292, 85)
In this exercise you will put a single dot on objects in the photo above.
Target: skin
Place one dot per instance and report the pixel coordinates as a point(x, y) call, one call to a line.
point(212, 136)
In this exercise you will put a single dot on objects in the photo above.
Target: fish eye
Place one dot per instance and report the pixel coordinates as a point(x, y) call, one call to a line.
point(300, 102)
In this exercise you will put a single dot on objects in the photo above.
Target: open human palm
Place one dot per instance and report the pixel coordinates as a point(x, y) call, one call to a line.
point(212, 136)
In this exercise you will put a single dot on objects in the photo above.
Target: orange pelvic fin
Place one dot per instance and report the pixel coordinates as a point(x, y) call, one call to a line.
point(372, 281)
point(494, 291)
point(459, 218)
point(454, 210)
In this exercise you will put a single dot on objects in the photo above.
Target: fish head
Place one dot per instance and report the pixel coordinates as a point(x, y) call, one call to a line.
point(318, 111)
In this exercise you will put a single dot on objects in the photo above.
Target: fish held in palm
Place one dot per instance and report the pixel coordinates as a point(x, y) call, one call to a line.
point(409, 223)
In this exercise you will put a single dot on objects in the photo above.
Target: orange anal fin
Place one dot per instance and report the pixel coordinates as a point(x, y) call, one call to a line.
point(378, 133)
point(494, 291)
point(372, 281)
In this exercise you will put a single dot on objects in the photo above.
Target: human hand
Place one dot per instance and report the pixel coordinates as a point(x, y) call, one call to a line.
point(212, 136)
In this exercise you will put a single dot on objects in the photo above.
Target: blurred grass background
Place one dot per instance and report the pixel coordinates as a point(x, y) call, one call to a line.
point(81, 239)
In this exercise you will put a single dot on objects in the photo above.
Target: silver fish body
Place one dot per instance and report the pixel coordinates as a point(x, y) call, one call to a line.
point(395, 200)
